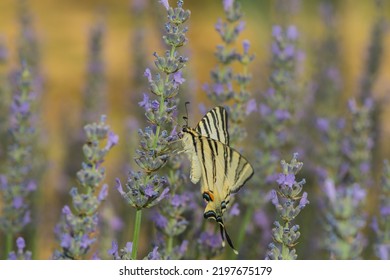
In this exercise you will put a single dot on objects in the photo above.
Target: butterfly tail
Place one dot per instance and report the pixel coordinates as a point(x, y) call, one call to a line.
point(221, 227)
point(224, 234)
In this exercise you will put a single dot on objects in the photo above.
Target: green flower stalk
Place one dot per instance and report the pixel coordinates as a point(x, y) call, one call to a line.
point(288, 202)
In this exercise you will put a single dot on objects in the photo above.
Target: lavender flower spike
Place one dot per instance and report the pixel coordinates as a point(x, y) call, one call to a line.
point(77, 230)
point(21, 254)
point(16, 186)
point(146, 188)
point(288, 202)
point(382, 222)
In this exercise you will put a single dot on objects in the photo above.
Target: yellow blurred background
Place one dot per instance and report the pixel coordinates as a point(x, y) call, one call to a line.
point(62, 27)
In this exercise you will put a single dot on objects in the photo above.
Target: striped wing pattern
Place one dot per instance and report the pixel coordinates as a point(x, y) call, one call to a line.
point(214, 125)
point(221, 169)
point(224, 169)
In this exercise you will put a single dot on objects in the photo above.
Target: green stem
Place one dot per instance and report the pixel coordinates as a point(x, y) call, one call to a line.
point(158, 128)
point(137, 229)
point(170, 244)
point(285, 251)
point(8, 244)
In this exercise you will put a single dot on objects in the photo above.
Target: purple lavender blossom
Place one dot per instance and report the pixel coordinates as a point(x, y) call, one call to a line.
point(240, 27)
point(274, 198)
point(148, 75)
point(154, 255)
point(292, 32)
point(114, 249)
point(209, 244)
point(234, 210)
point(20, 254)
point(276, 31)
point(145, 101)
point(251, 106)
point(323, 124)
point(165, 3)
point(246, 45)
point(178, 78)
point(286, 179)
point(20, 243)
point(228, 4)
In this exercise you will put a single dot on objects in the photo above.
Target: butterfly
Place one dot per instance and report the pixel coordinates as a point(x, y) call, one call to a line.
point(221, 169)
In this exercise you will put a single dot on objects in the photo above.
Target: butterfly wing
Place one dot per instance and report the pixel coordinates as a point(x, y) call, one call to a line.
point(190, 147)
point(233, 170)
point(224, 170)
point(214, 125)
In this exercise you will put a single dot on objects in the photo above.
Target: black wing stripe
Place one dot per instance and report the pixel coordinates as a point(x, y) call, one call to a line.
point(215, 124)
point(237, 169)
point(222, 116)
point(244, 182)
point(213, 159)
point(203, 158)
point(206, 121)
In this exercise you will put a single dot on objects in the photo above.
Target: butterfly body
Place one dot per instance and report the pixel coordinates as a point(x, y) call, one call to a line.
point(220, 169)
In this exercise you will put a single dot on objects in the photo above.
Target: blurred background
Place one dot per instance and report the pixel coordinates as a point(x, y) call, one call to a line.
point(130, 32)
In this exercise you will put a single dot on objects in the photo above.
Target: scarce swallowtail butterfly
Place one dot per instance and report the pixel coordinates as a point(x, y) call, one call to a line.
point(221, 169)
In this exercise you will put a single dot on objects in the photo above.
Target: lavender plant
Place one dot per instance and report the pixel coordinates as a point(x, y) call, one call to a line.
point(346, 187)
point(94, 96)
point(17, 184)
point(327, 82)
point(227, 86)
point(370, 75)
point(277, 112)
point(29, 53)
point(381, 224)
point(20, 254)
point(77, 229)
point(359, 144)
point(28, 49)
point(146, 188)
point(374, 55)
point(288, 202)
point(5, 100)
